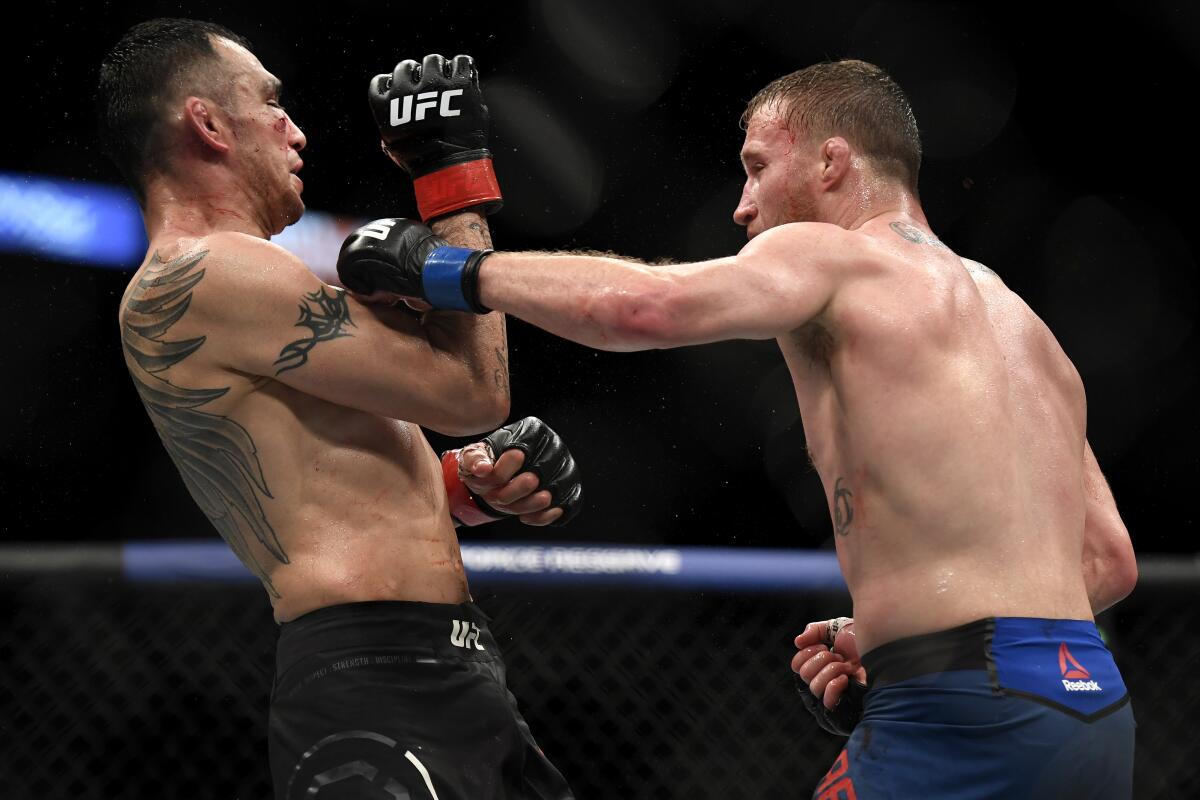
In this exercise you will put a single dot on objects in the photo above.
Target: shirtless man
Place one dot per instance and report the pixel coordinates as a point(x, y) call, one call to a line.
point(973, 527)
point(299, 438)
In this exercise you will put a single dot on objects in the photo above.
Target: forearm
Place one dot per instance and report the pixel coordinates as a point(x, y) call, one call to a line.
point(479, 341)
point(595, 300)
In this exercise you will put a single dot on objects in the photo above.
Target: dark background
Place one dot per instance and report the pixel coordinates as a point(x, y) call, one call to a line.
point(1057, 153)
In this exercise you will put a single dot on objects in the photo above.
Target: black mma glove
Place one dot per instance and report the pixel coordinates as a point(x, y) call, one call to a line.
point(433, 122)
point(845, 714)
point(545, 456)
point(407, 258)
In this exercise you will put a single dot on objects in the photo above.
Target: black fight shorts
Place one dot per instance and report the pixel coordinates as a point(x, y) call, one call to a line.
point(399, 701)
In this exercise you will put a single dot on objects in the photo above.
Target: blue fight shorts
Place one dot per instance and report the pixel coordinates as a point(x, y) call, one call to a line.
point(1005, 707)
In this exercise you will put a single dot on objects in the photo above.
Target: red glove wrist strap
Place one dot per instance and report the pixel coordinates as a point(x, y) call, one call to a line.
point(456, 187)
point(462, 505)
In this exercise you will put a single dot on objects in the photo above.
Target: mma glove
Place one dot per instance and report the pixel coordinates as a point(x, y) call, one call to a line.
point(434, 124)
point(406, 258)
point(546, 456)
point(846, 712)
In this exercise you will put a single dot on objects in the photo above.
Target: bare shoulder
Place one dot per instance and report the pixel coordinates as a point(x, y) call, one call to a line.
point(811, 245)
point(239, 260)
point(979, 271)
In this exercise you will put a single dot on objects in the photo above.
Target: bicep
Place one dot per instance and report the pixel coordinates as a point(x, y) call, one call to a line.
point(780, 281)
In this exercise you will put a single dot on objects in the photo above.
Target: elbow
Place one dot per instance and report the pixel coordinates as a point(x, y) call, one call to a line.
point(481, 405)
point(1125, 573)
point(637, 318)
point(1113, 573)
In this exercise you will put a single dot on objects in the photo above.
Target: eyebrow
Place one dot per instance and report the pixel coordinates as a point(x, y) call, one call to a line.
point(273, 85)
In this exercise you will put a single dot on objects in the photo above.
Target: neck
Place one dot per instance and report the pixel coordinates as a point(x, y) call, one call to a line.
point(199, 206)
point(868, 199)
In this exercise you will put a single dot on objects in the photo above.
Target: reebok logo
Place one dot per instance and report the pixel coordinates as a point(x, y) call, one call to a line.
point(1081, 686)
point(402, 107)
point(1075, 675)
point(465, 634)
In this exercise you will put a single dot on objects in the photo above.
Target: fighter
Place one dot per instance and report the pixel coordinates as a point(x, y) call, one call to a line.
point(972, 524)
point(292, 410)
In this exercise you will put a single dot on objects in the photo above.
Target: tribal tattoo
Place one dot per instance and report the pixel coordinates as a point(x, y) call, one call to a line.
point(843, 509)
point(215, 456)
point(323, 313)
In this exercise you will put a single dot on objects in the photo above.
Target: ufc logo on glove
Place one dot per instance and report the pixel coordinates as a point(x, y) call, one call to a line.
point(402, 107)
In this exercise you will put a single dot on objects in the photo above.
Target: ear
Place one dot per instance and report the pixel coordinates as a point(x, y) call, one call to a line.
point(835, 160)
point(201, 119)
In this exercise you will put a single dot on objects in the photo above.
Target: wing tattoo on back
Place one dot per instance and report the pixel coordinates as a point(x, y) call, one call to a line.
point(215, 455)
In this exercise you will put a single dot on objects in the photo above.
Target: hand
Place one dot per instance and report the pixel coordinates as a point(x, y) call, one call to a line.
point(434, 124)
point(547, 457)
point(524, 469)
point(395, 259)
point(828, 671)
point(503, 486)
point(831, 682)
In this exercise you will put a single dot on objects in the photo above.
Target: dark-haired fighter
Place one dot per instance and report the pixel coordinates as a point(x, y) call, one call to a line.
point(973, 526)
point(291, 411)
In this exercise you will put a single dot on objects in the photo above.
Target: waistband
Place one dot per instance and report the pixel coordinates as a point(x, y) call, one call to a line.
point(970, 646)
point(964, 647)
point(1060, 662)
point(423, 629)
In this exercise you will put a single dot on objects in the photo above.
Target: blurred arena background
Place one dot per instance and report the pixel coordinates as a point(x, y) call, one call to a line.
point(1058, 151)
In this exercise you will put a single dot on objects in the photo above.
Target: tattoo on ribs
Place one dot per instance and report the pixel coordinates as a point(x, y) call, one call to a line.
point(215, 456)
point(323, 313)
point(843, 508)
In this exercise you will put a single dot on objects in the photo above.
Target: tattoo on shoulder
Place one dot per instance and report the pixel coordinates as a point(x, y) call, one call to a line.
point(324, 312)
point(915, 235)
point(843, 508)
point(215, 456)
point(975, 268)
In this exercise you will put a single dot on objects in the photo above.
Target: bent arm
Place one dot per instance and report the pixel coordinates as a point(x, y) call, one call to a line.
point(264, 313)
point(1109, 565)
point(779, 281)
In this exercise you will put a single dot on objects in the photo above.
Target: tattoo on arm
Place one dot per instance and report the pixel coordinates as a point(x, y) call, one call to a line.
point(324, 313)
point(463, 229)
point(215, 456)
point(843, 508)
point(500, 374)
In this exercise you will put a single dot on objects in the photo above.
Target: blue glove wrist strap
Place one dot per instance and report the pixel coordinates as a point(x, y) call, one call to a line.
point(442, 278)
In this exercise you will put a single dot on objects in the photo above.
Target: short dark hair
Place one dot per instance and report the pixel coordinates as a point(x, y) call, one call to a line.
point(853, 99)
point(139, 77)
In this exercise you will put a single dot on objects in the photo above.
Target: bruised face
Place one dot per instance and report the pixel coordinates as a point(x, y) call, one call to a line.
point(268, 143)
point(778, 184)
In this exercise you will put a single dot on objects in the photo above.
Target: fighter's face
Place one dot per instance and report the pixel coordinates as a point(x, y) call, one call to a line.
point(777, 188)
point(269, 143)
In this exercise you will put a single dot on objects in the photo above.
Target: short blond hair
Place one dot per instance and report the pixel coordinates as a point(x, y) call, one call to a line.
point(853, 99)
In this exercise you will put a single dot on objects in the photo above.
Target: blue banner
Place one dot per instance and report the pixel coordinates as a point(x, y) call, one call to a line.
point(67, 220)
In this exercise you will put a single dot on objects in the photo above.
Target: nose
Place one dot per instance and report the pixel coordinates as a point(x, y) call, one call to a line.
point(746, 210)
point(296, 137)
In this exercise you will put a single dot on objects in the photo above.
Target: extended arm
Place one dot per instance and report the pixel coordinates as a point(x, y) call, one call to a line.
point(779, 281)
point(1109, 565)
